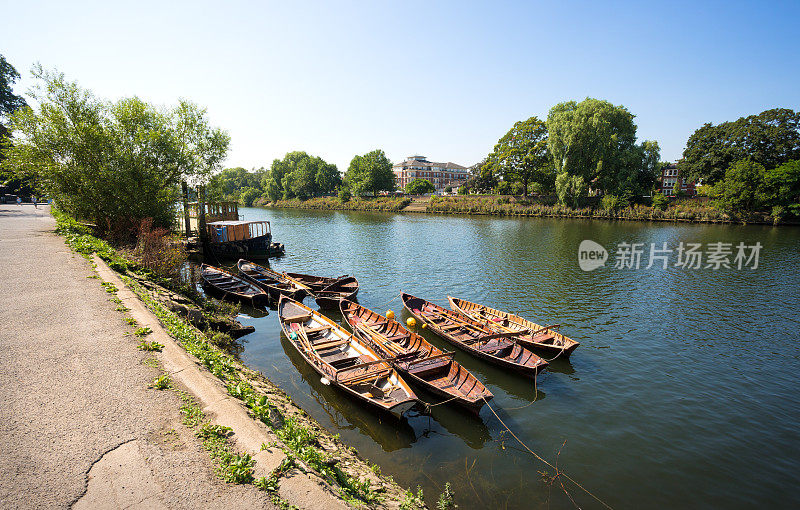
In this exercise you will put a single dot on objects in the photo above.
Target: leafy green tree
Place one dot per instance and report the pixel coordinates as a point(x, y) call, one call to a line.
point(522, 155)
point(503, 188)
point(229, 183)
point(248, 195)
point(742, 188)
point(660, 201)
point(420, 187)
point(571, 189)
point(370, 174)
point(770, 139)
point(344, 194)
point(781, 187)
point(596, 140)
point(300, 175)
point(9, 102)
point(113, 163)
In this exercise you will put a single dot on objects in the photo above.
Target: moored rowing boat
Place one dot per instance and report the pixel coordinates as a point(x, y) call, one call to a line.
point(230, 286)
point(473, 337)
point(416, 358)
point(543, 338)
point(343, 360)
point(273, 282)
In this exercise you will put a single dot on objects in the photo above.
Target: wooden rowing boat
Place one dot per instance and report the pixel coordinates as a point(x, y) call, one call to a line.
point(313, 283)
point(343, 360)
point(474, 337)
point(230, 286)
point(273, 282)
point(415, 358)
point(532, 335)
point(330, 296)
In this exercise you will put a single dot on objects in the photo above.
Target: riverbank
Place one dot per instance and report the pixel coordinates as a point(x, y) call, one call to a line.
point(335, 204)
point(681, 210)
point(301, 464)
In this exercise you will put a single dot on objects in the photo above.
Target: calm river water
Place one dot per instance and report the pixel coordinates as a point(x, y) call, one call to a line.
point(684, 391)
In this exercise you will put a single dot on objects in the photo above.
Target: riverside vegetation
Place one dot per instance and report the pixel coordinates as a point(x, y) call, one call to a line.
point(307, 445)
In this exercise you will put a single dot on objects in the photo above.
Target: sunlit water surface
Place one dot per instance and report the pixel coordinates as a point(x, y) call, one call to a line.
point(684, 391)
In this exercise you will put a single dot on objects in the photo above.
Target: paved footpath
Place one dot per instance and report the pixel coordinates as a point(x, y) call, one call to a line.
point(78, 425)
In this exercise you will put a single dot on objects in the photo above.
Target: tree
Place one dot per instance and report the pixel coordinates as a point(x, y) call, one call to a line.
point(742, 188)
point(781, 187)
point(370, 174)
point(9, 102)
point(596, 140)
point(420, 187)
point(571, 189)
point(522, 155)
point(300, 175)
point(770, 139)
point(248, 195)
point(113, 163)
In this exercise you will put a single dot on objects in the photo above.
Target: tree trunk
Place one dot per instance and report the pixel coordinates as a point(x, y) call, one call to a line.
point(201, 217)
point(187, 223)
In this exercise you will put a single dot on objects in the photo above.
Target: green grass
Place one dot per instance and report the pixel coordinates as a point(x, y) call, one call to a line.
point(130, 321)
point(143, 331)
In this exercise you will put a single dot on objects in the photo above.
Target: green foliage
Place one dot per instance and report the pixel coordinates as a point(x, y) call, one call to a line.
point(521, 155)
point(446, 499)
point(248, 195)
point(413, 501)
point(741, 189)
point(150, 346)
point(596, 140)
point(781, 188)
point(770, 139)
point(369, 174)
point(503, 188)
point(357, 204)
point(612, 203)
point(158, 251)
point(112, 163)
point(142, 331)
point(231, 182)
point(9, 102)
point(660, 202)
point(130, 321)
point(571, 189)
point(299, 175)
point(448, 189)
point(420, 187)
point(162, 382)
point(344, 194)
point(462, 190)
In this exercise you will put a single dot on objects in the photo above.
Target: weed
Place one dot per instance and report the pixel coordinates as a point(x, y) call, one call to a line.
point(142, 331)
point(116, 300)
point(94, 277)
point(446, 499)
point(110, 287)
point(150, 362)
point(150, 346)
point(192, 413)
point(129, 321)
point(270, 483)
point(122, 308)
point(162, 382)
point(413, 501)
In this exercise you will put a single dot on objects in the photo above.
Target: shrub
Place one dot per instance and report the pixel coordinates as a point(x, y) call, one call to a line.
point(158, 251)
point(344, 195)
point(660, 202)
point(611, 203)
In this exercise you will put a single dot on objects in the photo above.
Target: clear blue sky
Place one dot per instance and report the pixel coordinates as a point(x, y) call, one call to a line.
point(444, 79)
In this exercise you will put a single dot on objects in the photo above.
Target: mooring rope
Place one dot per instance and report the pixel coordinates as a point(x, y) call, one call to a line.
point(535, 396)
point(558, 472)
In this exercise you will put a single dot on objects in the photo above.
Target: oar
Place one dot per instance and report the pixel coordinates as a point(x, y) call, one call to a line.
point(298, 283)
point(458, 320)
point(381, 340)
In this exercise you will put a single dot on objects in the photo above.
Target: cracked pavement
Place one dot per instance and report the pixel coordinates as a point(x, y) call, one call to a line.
point(78, 425)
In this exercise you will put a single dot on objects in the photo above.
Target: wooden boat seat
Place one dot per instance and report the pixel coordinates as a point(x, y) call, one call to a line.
point(297, 318)
point(543, 338)
point(361, 377)
point(451, 326)
point(316, 330)
point(424, 369)
point(331, 344)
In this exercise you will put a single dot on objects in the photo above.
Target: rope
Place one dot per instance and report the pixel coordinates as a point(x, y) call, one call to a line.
point(535, 397)
point(429, 406)
point(558, 473)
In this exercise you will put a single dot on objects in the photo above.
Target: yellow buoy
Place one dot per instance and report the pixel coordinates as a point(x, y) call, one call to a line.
point(411, 322)
point(390, 315)
point(424, 325)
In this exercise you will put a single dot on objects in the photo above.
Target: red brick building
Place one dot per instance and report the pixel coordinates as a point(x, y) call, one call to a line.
point(669, 176)
point(441, 175)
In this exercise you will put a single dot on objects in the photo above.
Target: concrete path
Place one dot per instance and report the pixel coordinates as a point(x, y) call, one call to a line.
point(78, 425)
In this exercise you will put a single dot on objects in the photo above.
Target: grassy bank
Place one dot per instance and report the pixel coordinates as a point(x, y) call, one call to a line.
point(334, 204)
point(680, 210)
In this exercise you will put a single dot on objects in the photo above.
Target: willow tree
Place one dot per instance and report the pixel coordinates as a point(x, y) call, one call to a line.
point(113, 163)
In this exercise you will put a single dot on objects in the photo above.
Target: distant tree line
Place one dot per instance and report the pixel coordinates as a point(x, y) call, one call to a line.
point(590, 145)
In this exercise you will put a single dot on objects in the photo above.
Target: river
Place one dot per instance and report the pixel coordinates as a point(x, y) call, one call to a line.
point(683, 393)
